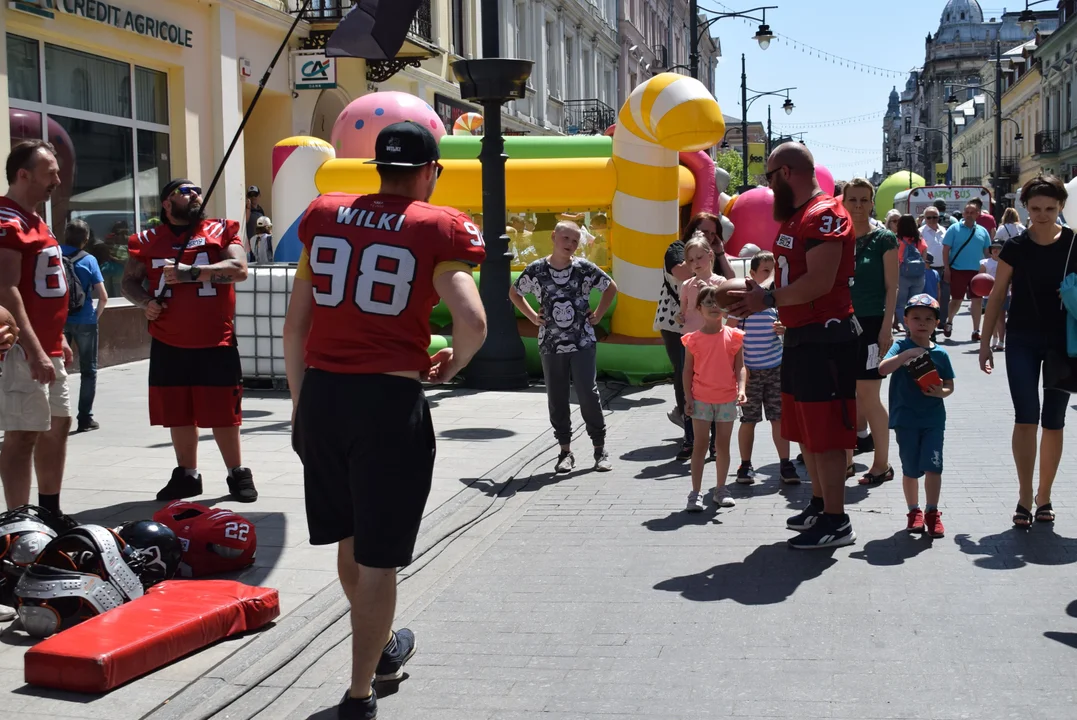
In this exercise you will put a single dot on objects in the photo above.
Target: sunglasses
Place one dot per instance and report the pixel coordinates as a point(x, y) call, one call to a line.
point(709, 303)
point(931, 217)
point(771, 173)
point(188, 190)
point(440, 168)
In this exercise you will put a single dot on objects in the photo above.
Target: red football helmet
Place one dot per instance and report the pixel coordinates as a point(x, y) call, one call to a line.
point(214, 540)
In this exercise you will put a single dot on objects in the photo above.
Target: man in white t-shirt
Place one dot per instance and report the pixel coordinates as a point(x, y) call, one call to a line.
point(932, 232)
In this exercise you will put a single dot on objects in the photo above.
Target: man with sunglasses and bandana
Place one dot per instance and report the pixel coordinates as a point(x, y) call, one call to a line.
point(182, 274)
point(815, 251)
point(356, 342)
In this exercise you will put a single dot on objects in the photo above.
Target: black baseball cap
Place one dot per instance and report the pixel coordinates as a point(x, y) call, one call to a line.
point(405, 144)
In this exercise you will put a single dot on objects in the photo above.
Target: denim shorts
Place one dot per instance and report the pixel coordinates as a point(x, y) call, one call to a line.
point(714, 412)
point(920, 450)
point(1025, 354)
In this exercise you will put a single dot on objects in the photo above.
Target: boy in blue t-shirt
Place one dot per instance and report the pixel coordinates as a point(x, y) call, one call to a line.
point(917, 413)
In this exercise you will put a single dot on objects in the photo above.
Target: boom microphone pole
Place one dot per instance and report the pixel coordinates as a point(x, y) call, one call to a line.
point(239, 131)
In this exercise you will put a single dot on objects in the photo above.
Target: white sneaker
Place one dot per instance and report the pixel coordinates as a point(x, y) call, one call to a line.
point(695, 502)
point(7, 613)
point(566, 462)
point(724, 497)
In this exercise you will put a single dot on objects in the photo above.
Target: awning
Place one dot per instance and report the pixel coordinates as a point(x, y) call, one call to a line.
point(117, 195)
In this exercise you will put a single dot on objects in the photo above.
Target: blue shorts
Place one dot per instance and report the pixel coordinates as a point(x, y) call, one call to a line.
point(920, 450)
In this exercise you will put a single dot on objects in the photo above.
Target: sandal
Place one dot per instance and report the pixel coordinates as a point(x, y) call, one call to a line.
point(1045, 513)
point(869, 479)
point(1022, 517)
point(999, 347)
point(948, 329)
point(850, 471)
point(975, 336)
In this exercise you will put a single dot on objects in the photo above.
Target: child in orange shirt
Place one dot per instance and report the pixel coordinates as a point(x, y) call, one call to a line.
point(714, 382)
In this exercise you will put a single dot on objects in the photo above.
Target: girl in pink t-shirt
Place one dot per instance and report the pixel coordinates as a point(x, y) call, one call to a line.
point(714, 381)
point(699, 257)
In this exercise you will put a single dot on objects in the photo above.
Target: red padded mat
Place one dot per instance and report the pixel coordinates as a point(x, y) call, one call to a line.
point(172, 619)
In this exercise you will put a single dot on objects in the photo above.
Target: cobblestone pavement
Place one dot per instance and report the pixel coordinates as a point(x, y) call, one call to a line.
point(595, 596)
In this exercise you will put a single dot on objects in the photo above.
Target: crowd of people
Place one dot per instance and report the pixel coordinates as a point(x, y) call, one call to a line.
point(841, 302)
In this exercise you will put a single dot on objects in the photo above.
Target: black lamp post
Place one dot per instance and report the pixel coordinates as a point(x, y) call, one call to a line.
point(745, 103)
point(492, 81)
point(763, 35)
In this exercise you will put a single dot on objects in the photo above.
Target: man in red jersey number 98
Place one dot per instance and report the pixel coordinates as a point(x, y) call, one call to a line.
point(355, 344)
point(815, 253)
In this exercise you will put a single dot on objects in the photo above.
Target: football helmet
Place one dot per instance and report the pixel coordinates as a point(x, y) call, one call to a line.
point(80, 574)
point(159, 545)
point(24, 533)
point(213, 540)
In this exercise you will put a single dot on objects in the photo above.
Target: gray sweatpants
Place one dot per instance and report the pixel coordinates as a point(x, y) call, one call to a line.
point(579, 367)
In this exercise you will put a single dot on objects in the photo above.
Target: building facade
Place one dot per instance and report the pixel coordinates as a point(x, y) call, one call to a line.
point(654, 38)
point(1055, 144)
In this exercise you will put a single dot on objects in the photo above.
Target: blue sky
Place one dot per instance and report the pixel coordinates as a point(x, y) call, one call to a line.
point(882, 34)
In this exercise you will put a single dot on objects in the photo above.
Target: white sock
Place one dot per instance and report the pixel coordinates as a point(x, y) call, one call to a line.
point(191, 472)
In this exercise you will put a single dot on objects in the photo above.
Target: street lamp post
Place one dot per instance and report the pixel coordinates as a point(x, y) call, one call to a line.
point(745, 103)
point(763, 35)
point(501, 362)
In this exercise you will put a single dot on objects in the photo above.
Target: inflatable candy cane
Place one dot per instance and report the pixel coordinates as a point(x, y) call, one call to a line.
point(664, 116)
point(295, 162)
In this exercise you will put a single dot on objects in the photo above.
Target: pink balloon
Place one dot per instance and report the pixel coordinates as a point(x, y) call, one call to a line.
point(753, 217)
point(358, 125)
point(825, 178)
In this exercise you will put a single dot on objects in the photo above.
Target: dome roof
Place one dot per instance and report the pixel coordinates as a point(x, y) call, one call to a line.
point(960, 12)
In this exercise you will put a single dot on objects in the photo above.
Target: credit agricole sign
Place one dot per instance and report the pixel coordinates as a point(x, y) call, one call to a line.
point(108, 14)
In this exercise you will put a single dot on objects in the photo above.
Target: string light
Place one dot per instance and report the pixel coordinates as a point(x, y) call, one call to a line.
point(837, 148)
point(867, 117)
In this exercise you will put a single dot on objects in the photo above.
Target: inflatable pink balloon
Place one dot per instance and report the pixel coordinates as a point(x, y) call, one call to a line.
point(825, 178)
point(753, 216)
point(357, 127)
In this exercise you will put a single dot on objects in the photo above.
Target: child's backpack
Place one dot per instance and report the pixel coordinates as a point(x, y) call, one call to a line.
point(912, 260)
point(76, 294)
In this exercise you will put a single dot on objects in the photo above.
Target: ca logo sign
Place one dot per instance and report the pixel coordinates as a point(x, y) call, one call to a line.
point(315, 70)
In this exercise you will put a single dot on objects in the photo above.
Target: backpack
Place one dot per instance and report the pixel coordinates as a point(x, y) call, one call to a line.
point(76, 294)
point(912, 261)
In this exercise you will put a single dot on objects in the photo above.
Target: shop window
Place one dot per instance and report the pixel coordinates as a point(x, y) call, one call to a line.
point(154, 171)
point(110, 93)
point(151, 89)
point(23, 73)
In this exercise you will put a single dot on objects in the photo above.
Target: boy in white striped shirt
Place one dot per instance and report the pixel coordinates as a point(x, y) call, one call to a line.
point(763, 358)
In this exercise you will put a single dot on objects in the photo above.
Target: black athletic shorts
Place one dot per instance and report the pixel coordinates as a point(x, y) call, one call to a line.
point(367, 446)
point(200, 387)
point(819, 371)
point(867, 348)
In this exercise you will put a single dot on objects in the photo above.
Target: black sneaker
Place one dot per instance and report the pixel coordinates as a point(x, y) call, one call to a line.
point(806, 517)
point(829, 532)
point(88, 426)
point(685, 453)
point(180, 486)
point(788, 472)
point(59, 522)
point(864, 445)
point(358, 709)
point(745, 473)
point(241, 485)
point(391, 665)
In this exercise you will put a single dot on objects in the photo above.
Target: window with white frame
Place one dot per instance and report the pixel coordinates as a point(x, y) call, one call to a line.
point(111, 135)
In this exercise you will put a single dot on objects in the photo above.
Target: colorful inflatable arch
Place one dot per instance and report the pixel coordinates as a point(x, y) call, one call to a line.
point(628, 192)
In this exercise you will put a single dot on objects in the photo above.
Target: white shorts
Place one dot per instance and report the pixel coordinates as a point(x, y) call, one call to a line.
point(25, 404)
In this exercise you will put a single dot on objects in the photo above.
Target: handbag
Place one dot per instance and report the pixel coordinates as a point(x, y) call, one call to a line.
point(1060, 367)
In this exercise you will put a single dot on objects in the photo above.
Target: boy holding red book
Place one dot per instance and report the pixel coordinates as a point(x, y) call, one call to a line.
point(923, 377)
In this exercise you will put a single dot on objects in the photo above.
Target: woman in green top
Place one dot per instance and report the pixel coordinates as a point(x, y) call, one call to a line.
point(875, 287)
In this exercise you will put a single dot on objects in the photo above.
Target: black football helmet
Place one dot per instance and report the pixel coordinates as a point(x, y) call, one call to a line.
point(80, 574)
point(158, 546)
point(24, 533)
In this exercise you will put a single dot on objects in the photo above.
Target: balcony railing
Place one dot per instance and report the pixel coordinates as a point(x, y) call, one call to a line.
point(1011, 165)
point(661, 57)
point(1046, 142)
point(334, 11)
point(588, 117)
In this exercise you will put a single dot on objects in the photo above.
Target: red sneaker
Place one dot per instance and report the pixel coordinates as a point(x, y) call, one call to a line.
point(916, 521)
point(933, 524)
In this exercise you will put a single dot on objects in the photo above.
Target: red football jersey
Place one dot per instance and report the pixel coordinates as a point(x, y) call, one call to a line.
point(42, 282)
point(201, 314)
point(373, 260)
point(821, 219)
point(213, 540)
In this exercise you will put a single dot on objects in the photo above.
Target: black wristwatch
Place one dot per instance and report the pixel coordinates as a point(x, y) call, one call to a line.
point(768, 298)
point(195, 272)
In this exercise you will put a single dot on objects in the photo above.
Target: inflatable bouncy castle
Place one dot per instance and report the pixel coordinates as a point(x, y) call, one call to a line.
point(631, 191)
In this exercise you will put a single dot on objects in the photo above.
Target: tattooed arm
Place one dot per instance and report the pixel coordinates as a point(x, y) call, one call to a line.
point(233, 269)
point(133, 287)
